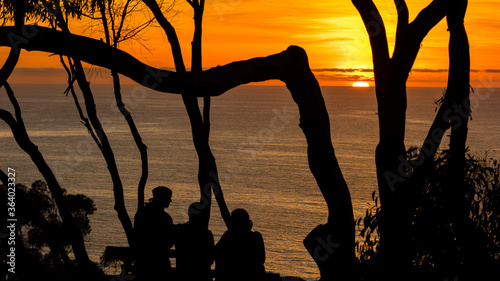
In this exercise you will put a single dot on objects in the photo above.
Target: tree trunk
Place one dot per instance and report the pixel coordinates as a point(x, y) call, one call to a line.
point(104, 144)
point(24, 142)
point(391, 74)
point(143, 149)
point(476, 260)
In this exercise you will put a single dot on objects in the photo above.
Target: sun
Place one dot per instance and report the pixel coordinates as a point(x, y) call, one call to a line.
point(361, 84)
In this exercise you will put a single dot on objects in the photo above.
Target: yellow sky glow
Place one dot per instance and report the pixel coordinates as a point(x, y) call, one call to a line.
point(331, 32)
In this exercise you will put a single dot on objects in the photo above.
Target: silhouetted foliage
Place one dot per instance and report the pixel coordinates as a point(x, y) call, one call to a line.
point(436, 242)
point(40, 226)
point(369, 231)
point(45, 10)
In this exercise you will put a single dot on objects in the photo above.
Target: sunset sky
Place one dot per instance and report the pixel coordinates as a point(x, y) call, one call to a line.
point(331, 32)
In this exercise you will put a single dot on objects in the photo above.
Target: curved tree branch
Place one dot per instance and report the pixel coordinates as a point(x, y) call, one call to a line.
point(9, 65)
point(15, 51)
point(290, 66)
point(378, 38)
point(211, 82)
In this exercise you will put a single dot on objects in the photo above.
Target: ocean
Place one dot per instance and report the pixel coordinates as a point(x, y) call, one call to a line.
point(259, 148)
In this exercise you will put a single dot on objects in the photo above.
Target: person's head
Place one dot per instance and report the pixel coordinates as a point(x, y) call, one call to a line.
point(162, 196)
point(194, 213)
point(241, 220)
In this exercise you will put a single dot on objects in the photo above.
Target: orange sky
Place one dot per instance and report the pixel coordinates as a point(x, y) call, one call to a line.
point(331, 32)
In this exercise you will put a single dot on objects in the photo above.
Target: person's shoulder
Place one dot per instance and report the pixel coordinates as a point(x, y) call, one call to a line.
point(141, 212)
point(256, 235)
point(146, 210)
point(227, 235)
point(167, 217)
point(181, 227)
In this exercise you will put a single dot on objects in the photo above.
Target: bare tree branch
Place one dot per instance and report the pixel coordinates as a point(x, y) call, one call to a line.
point(212, 82)
point(122, 21)
point(170, 31)
point(429, 17)
point(106, 150)
point(22, 138)
point(143, 149)
point(376, 30)
point(409, 42)
point(71, 88)
point(290, 66)
point(9, 65)
point(403, 19)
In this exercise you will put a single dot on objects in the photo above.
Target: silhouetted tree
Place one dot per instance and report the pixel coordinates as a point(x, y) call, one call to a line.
point(439, 251)
point(41, 237)
point(290, 66)
point(19, 11)
point(395, 174)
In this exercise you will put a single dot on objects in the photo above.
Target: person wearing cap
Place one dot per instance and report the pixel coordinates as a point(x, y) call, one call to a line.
point(154, 236)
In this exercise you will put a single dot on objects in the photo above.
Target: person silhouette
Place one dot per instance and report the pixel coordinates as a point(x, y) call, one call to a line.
point(240, 252)
point(194, 247)
point(154, 236)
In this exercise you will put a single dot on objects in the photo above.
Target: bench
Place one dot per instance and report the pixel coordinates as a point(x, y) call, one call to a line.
point(126, 256)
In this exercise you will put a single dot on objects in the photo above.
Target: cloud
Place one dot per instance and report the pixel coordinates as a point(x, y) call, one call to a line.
point(341, 77)
point(429, 70)
point(492, 70)
point(343, 70)
point(40, 71)
point(425, 70)
point(335, 70)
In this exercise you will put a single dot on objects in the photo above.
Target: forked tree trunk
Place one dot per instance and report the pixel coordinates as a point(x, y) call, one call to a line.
point(391, 74)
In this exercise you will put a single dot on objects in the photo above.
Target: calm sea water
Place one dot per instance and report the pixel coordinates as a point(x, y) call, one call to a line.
point(260, 151)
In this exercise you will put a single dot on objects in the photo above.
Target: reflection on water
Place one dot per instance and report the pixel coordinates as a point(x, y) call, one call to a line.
point(260, 151)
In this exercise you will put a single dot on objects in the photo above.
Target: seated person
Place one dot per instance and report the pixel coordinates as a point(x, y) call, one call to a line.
point(194, 247)
point(154, 236)
point(240, 253)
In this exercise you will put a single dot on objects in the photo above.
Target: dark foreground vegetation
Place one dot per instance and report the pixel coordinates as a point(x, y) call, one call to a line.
point(435, 241)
